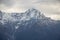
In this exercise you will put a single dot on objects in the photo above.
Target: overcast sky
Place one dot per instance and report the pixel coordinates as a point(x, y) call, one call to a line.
point(50, 8)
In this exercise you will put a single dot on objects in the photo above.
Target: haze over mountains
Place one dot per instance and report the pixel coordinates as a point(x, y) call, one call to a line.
point(30, 25)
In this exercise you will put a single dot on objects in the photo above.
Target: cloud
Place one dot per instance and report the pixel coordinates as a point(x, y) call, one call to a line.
point(7, 2)
point(48, 7)
point(26, 2)
point(48, 1)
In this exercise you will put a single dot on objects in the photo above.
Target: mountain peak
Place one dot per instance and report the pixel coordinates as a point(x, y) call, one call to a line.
point(34, 13)
point(33, 9)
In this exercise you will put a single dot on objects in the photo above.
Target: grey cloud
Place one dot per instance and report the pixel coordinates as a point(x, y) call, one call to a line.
point(57, 13)
point(6, 2)
point(48, 1)
point(58, 0)
point(11, 2)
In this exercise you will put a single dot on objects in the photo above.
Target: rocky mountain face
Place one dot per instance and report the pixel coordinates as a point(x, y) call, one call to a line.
point(30, 25)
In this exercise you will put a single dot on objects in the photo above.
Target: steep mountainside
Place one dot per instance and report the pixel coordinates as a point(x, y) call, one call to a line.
point(30, 25)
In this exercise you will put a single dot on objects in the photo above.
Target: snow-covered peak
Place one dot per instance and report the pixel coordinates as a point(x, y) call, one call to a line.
point(30, 14)
point(34, 13)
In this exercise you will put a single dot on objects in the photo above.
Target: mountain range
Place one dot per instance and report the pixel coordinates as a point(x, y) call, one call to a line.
point(30, 25)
